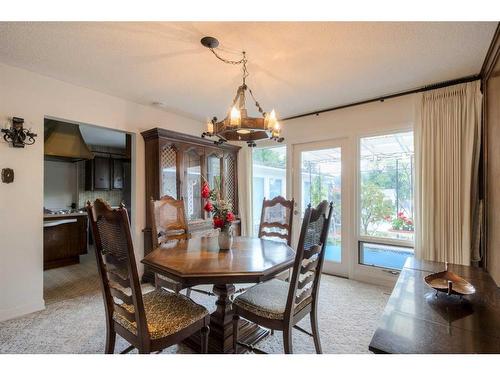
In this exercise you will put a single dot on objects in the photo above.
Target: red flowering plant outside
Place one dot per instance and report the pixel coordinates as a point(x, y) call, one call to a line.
point(402, 222)
point(220, 209)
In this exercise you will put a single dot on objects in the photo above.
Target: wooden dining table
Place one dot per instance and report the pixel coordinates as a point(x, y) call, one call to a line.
point(199, 261)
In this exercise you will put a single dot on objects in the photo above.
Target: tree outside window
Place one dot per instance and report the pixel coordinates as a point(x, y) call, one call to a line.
point(386, 186)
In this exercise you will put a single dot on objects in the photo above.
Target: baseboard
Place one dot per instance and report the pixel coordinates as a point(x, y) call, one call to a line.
point(382, 280)
point(16, 312)
point(387, 281)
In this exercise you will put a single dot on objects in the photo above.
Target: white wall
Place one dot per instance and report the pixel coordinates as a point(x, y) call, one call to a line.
point(32, 96)
point(350, 122)
point(60, 188)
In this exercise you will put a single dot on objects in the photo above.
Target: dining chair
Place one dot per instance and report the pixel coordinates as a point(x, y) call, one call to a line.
point(276, 219)
point(168, 221)
point(279, 305)
point(149, 322)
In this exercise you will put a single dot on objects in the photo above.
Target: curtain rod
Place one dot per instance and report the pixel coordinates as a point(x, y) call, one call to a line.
point(432, 86)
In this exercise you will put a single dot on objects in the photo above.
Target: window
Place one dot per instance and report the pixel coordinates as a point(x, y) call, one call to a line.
point(386, 198)
point(269, 178)
point(382, 255)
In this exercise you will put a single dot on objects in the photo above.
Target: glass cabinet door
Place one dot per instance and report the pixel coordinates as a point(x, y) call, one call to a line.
point(214, 171)
point(193, 186)
point(168, 168)
point(230, 181)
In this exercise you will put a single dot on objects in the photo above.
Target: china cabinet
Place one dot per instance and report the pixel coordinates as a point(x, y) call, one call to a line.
point(176, 164)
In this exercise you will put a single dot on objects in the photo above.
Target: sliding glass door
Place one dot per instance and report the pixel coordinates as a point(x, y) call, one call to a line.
point(318, 176)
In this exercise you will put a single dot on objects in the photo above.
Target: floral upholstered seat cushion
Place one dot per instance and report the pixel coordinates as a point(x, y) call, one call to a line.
point(267, 299)
point(166, 313)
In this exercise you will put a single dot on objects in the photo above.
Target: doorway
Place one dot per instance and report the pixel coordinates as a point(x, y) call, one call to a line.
point(318, 175)
point(82, 163)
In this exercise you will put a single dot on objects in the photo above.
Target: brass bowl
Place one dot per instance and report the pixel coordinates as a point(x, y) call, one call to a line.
point(449, 283)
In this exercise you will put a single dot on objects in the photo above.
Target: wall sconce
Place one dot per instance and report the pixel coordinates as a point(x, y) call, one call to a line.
point(17, 135)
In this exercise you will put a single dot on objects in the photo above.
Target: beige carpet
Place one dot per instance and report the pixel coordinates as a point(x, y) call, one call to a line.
point(73, 321)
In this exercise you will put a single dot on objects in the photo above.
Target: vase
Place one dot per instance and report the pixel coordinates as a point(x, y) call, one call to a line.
point(225, 239)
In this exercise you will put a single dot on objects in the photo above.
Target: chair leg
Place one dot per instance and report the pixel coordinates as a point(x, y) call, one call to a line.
point(204, 339)
point(157, 282)
point(287, 340)
point(236, 325)
point(315, 331)
point(110, 340)
point(144, 349)
point(188, 292)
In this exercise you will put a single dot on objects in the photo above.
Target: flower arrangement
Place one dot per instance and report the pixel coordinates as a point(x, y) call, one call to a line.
point(402, 222)
point(220, 209)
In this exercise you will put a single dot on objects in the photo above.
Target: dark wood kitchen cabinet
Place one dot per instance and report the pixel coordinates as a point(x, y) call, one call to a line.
point(64, 240)
point(176, 165)
point(117, 174)
point(98, 173)
point(104, 173)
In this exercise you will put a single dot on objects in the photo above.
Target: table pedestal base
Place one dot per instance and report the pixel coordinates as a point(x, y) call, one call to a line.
point(221, 326)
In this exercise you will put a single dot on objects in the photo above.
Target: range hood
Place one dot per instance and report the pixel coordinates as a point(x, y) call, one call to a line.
point(64, 141)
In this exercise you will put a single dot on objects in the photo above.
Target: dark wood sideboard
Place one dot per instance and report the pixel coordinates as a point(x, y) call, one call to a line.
point(175, 165)
point(417, 321)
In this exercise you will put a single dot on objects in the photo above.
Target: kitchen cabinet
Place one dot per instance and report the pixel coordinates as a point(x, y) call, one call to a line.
point(104, 173)
point(176, 165)
point(117, 174)
point(64, 239)
point(98, 173)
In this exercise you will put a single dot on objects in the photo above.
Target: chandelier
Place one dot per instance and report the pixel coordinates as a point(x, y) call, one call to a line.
point(238, 126)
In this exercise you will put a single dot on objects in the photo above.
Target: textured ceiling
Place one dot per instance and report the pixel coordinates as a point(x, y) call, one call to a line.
point(294, 67)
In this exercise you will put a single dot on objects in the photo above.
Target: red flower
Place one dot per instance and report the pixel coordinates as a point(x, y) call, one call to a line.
point(218, 222)
point(205, 190)
point(230, 216)
point(401, 214)
point(208, 207)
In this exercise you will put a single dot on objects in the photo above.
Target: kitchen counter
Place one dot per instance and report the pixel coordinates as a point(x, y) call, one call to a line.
point(60, 216)
point(64, 239)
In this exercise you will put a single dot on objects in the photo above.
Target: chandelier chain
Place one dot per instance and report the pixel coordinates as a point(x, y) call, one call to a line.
point(243, 61)
point(256, 102)
point(233, 62)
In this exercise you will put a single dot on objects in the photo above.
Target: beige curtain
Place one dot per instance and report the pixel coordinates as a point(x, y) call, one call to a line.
point(245, 188)
point(447, 143)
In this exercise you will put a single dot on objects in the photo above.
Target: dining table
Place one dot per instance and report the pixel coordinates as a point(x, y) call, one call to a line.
point(199, 261)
